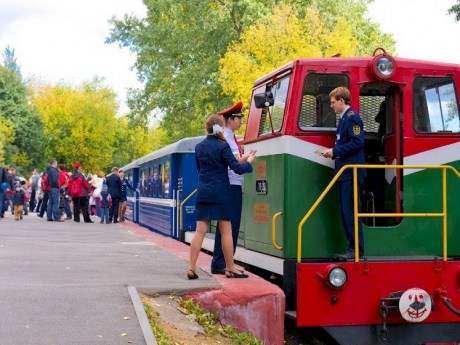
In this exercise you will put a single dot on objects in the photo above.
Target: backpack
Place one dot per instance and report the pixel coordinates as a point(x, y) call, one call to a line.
point(45, 186)
point(75, 187)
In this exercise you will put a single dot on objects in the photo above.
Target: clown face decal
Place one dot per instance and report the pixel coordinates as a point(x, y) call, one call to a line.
point(415, 305)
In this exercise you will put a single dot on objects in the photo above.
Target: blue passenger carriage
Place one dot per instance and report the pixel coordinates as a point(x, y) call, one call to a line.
point(164, 178)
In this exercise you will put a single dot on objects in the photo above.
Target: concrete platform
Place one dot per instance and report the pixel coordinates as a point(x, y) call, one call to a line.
point(252, 304)
point(74, 283)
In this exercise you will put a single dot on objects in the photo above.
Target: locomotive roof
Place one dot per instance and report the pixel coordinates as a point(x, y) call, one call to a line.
point(357, 62)
point(186, 145)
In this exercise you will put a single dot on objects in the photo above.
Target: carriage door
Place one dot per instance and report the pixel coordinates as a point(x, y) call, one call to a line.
point(393, 153)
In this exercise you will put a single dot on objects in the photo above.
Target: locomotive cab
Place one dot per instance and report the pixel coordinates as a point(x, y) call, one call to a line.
point(410, 115)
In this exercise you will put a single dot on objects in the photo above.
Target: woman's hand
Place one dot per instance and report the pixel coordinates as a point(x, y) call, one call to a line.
point(252, 156)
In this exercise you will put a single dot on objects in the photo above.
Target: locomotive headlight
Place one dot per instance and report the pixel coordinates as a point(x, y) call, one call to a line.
point(337, 277)
point(383, 65)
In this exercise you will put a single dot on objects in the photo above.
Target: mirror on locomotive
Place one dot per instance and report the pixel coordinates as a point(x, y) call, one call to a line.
point(264, 100)
point(382, 188)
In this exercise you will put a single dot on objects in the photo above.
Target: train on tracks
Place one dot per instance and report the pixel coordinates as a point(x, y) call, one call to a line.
point(406, 288)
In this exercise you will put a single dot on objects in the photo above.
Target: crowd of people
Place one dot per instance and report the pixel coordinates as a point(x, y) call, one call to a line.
point(58, 195)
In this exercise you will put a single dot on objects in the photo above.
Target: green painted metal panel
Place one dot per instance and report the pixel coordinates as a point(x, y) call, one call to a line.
point(294, 184)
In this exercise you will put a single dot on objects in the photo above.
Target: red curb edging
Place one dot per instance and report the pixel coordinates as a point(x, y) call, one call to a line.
point(251, 305)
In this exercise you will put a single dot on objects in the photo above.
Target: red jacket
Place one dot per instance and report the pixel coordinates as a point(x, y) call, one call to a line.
point(78, 186)
point(63, 179)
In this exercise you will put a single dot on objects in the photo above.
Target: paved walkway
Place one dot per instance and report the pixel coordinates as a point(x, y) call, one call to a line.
point(67, 283)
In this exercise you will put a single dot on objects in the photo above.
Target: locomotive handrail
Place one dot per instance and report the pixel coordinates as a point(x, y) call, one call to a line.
point(276, 215)
point(356, 214)
point(180, 208)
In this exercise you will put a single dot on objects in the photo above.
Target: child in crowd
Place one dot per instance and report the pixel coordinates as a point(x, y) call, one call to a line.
point(19, 200)
point(105, 202)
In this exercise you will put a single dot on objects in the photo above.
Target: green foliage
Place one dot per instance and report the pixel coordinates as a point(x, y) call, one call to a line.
point(25, 151)
point(160, 335)
point(180, 43)
point(367, 34)
point(132, 141)
point(178, 47)
point(455, 10)
point(7, 135)
point(285, 36)
point(211, 324)
point(10, 61)
point(79, 123)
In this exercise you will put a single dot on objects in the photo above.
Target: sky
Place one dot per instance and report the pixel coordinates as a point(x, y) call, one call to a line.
point(63, 41)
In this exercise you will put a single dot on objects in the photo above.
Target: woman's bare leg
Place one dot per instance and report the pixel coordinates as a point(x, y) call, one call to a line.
point(123, 205)
point(225, 227)
point(120, 207)
point(197, 241)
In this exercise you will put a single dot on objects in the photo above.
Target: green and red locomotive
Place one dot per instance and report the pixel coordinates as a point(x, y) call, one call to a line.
point(406, 289)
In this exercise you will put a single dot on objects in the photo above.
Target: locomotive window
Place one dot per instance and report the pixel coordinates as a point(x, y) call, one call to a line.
point(315, 111)
point(280, 91)
point(369, 107)
point(435, 105)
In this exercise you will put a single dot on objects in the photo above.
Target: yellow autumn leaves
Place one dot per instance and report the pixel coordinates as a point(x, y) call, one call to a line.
point(278, 39)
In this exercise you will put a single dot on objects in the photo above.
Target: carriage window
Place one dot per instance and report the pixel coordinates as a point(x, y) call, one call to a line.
point(315, 111)
point(155, 180)
point(144, 182)
point(166, 180)
point(435, 105)
point(129, 177)
point(280, 91)
point(160, 179)
point(149, 182)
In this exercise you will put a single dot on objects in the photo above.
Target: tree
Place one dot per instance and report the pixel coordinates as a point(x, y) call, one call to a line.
point(178, 46)
point(180, 43)
point(7, 135)
point(133, 141)
point(284, 37)
point(26, 150)
point(80, 123)
point(10, 61)
point(367, 34)
point(455, 10)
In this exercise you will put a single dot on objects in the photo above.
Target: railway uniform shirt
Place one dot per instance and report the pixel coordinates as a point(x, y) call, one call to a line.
point(213, 157)
point(349, 146)
point(234, 178)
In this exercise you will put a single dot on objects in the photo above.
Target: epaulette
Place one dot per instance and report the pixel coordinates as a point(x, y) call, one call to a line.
point(350, 113)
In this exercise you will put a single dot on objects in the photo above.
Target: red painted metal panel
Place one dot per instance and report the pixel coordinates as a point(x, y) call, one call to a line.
point(358, 302)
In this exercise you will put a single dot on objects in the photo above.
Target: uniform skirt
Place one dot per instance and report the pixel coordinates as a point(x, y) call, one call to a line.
point(212, 211)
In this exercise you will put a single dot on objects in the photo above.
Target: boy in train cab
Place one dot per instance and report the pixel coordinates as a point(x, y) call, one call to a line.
point(348, 149)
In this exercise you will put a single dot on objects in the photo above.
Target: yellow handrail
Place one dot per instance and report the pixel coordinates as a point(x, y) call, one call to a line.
point(180, 208)
point(276, 215)
point(355, 168)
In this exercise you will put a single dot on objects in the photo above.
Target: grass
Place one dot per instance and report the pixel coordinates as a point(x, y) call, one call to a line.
point(208, 321)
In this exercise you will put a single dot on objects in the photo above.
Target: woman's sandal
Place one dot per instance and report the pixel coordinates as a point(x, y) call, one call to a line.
point(230, 274)
point(192, 275)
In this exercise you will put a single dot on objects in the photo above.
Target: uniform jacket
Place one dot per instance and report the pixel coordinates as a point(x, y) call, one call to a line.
point(349, 147)
point(124, 187)
point(213, 158)
point(113, 182)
